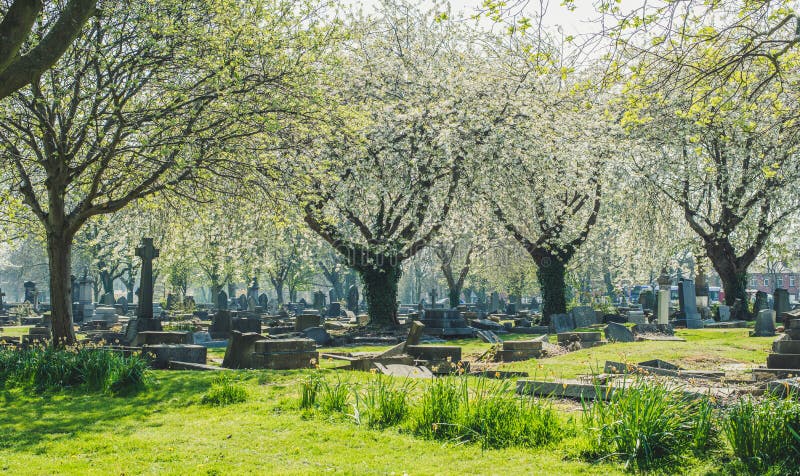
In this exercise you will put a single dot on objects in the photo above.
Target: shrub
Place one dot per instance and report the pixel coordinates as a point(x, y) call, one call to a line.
point(647, 423)
point(225, 391)
point(764, 433)
point(93, 369)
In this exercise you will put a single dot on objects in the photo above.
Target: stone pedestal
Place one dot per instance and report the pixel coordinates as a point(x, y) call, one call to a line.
point(662, 314)
point(517, 350)
point(786, 350)
point(135, 326)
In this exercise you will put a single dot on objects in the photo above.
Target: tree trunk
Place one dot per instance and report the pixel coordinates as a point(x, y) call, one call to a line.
point(279, 290)
point(292, 294)
point(455, 296)
point(380, 291)
point(733, 276)
point(59, 250)
point(550, 273)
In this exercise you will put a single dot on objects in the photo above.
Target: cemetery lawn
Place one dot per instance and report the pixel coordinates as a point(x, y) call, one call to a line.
point(167, 430)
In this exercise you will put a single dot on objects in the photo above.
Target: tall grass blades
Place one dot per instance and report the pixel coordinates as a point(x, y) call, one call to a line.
point(647, 423)
point(384, 403)
point(225, 391)
point(92, 369)
point(763, 433)
point(333, 397)
point(437, 416)
point(308, 391)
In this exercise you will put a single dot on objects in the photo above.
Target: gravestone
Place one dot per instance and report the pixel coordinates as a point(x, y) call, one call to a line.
point(637, 317)
point(319, 300)
point(724, 313)
point(562, 323)
point(647, 300)
point(31, 294)
point(252, 291)
point(687, 301)
point(619, 333)
point(664, 297)
point(251, 304)
point(765, 324)
point(739, 311)
point(123, 304)
point(222, 301)
point(781, 303)
point(172, 300)
point(85, 307)
point(221, 325)
point(511, 309)
point(432, 295)
point(494, 302)
point(241, 302)
point(352, 298)
point(144, 311)
point(335, 309)
point(108, 299)
point(761, 302)
point(263, 301)
point(445, 323)
point(583, 316)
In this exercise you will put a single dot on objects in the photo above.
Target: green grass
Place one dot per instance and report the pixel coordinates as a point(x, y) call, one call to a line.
point(166, 429)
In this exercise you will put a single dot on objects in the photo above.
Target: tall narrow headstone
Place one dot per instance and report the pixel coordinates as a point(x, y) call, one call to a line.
point(147, 252)
point(781, 303)
point(31, 294)
point(319, 300)
point(222, 301)
point(664, 297)
point(688, 305)
point(252, 291)
point(494, 302)
point(761, 302)
point(332, 296)
point(2, 295)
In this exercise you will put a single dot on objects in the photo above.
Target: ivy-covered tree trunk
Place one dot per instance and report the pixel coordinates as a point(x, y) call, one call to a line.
point(278, 285)
point(733, 274)
point(551, 275)
point(59, 252)
point(380, 291)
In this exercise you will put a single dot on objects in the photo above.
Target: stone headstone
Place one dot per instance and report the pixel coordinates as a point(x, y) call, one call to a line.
point(241, 302)
point(221, 325)
point(761, 302)
point(319, 301)
point(172, 300)
point(123, 304)
point(765, 323)
point(662, 313)
point(494, 302)
point(108, 299)
point(147, 252)
point(352, 298)
point(647, 300)
point(200, 338)
point(251, 304)
point(724, 313)
point(239, 353)
point(637, 317)
point(222, 301)
point(583, 316)
point(318, 334)
point(334, 309)
point(781, 303)
point(31, 294)
point(619, 333)
point(263, 301)
point(562, 323)
point(687, 301)
point(252, 291)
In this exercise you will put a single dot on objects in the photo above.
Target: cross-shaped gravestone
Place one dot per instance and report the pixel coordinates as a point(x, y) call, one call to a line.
point(147, 252)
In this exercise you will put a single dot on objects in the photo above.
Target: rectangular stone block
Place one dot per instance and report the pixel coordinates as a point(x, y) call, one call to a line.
point(529, 345)
point(517, 355)
point(783, 361)
point(284, 361)
point(304, 321)
point(567, 337)
point(163, 337)
point(268, 346)
point(430, 352)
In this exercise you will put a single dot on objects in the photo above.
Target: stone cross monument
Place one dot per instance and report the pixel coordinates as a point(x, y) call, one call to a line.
point(147, 252)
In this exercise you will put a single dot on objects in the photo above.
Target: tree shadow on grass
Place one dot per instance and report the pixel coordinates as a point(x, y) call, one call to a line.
point(28, 419)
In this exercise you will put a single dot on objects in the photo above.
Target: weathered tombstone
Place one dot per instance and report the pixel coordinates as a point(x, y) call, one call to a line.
point(511, 309)
point(31, 294)
point(319, 300)
point(85, 297)
point(221, 324)
point(739, 310)
point(494, 302)
point(761, 302)
point(252, 291)
point(664, 285)
point(724, 313)
point(335, 309)
point(263, 301)
point(687, 301)
point(2, 295)
point(222, 301)
point(562, 323)
point(701, 290)
point(171, 301)
point(765, 324)
point(619, 333)
point(240, 349)
point(73, 286)
point(433, 297)
point(352, 298)
point(583, 316)
point(241, 301)
point(144, 311)
point(647, 300)
point(251, 304)
point(108, 299)
point(318, 334)
point(781, 303)
point(123, 304)
point(637, 317)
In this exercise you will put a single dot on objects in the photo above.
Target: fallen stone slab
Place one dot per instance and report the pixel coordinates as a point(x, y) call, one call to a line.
point(407, 371)
point(435, 352)
point(177, 365)
point(582, 337)
point(489, 337)
point(579, 390)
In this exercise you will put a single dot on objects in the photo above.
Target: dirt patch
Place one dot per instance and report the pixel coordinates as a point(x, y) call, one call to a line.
point(705, 362)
